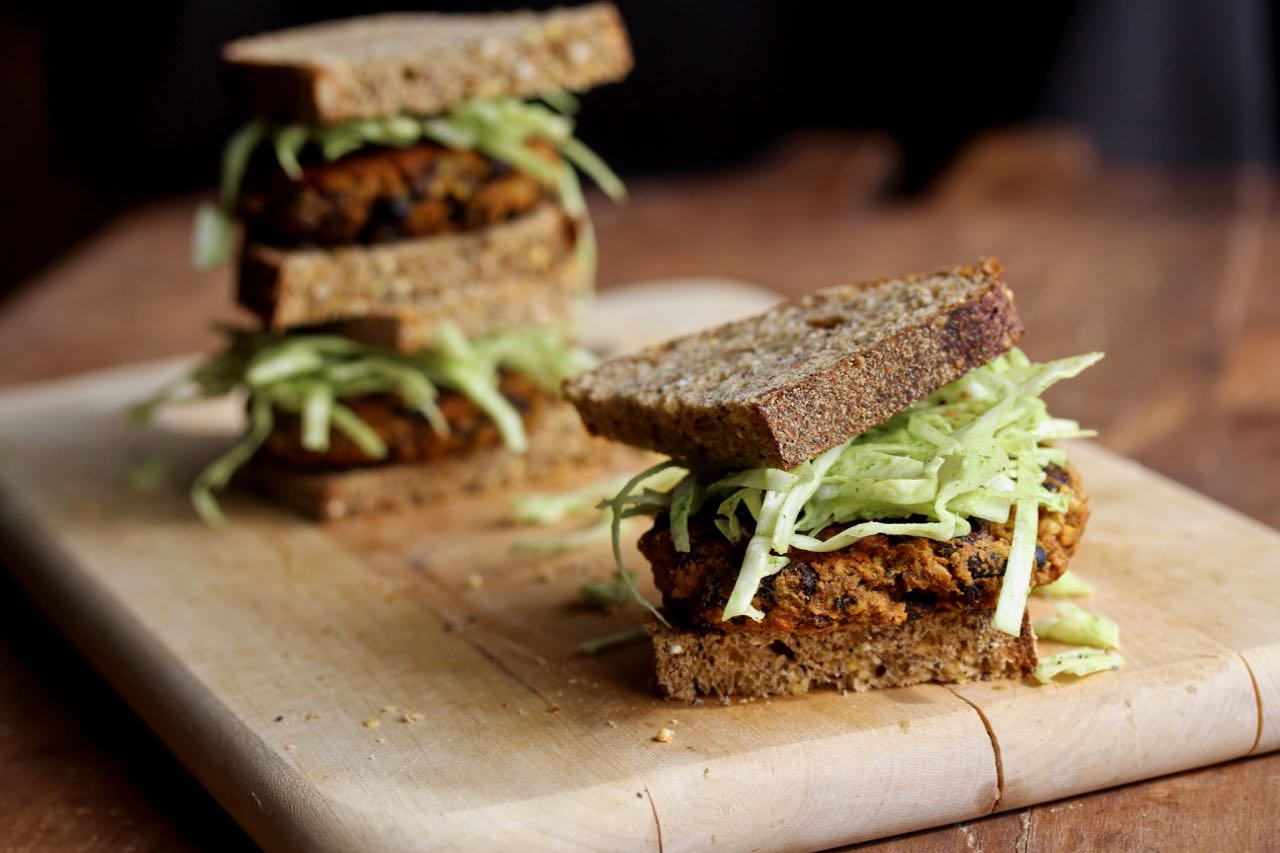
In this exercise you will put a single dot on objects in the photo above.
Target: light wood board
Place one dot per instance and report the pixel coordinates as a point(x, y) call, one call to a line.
point(280, 659)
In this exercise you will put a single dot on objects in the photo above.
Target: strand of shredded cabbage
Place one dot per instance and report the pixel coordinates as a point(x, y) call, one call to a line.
point(1078, 662)
point(311, 374)
point(500, 128)
point(976, 448)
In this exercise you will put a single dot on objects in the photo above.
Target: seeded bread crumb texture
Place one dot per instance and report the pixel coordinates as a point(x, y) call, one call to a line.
point(423, 63)
point(520, 273)
point(945, 647)
point(780, 388)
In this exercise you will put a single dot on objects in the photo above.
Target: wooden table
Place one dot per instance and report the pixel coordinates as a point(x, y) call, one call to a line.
point(1175, 276)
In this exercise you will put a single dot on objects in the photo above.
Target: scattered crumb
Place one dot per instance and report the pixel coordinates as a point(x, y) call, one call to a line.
point(553, 708)
point(724, 700)
point(844, 691)
point(474, 581)
point(611, 724)
point(664, 736)
point(997, 687)
point(573, 681)
point(290, 747)
point(371, 757)
point(706, 771)
point(313, 716)
point(389, 709)
point(672, 722)
point(371, 723)
point(639, 796)
point(1191, 688)
point(904, 725)
point(412, 717)
point(280, 718)
point(696, 702)
point(379, 740)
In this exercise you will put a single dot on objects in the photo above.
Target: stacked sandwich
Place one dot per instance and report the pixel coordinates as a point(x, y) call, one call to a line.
point(867, 488)
point(416, 249)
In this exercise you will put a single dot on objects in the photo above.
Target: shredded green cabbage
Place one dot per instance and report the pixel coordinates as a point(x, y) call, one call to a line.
point(500, 128)
point(1078, 662)
point(976, 448)
point(311, 374)
point(1076, 626)
point(612, 641)
point(554, 507)
point(1068, 585)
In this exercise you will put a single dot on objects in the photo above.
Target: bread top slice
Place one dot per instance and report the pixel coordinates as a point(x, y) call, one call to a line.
point(779, 388)
point(423, 63)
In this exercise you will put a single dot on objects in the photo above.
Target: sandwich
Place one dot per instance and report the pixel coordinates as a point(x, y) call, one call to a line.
point(416, 254)
point(866, 486)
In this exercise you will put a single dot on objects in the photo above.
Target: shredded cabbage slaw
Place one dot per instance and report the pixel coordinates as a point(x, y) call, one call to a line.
point(976, 448)
point(311, 374)
point(1078, 662)
point(1075, 626)
point(500, 128)
point(1068, 585)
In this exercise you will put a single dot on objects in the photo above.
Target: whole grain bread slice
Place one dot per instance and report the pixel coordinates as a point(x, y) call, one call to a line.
point(522, 272)
point(779, 388)
point(945, 647)
point(557, 446)
point(478, 308)
point(422, 63)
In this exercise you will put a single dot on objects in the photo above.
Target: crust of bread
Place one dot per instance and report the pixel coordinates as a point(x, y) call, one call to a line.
point(779, 388)
point(423, 63)
point(557, 446)
point(520, 273)
point(945, 647)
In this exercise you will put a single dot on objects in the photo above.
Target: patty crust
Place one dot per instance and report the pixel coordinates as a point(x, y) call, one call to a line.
point(406, 433)
point(879, 580)
point(385, 194)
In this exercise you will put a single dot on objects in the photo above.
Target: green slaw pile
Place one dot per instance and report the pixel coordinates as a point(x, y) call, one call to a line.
point(500, 128)
point(976, 448)
point(311, 374)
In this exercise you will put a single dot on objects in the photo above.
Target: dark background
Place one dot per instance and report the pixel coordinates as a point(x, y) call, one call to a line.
point(108, 105)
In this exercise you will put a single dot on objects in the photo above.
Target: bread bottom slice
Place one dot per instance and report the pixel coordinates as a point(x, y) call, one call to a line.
point(946, 647)
point(558, 445)
point(512, 275)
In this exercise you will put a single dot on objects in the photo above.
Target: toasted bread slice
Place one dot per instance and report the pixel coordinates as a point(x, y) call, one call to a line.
point(780, 388)
point(557, 445)
point(423, 63)
point(946, 647)
point(521, 273)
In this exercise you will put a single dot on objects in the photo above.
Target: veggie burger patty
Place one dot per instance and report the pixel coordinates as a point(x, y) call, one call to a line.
point(879, 580)
point(385, 194)
point(407, 434)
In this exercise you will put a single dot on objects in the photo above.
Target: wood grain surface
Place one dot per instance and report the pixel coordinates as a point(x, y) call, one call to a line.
point(412, 682)
point(1175, 275)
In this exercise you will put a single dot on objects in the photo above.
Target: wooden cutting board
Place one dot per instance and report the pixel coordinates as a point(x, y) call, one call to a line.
point(409, 682)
